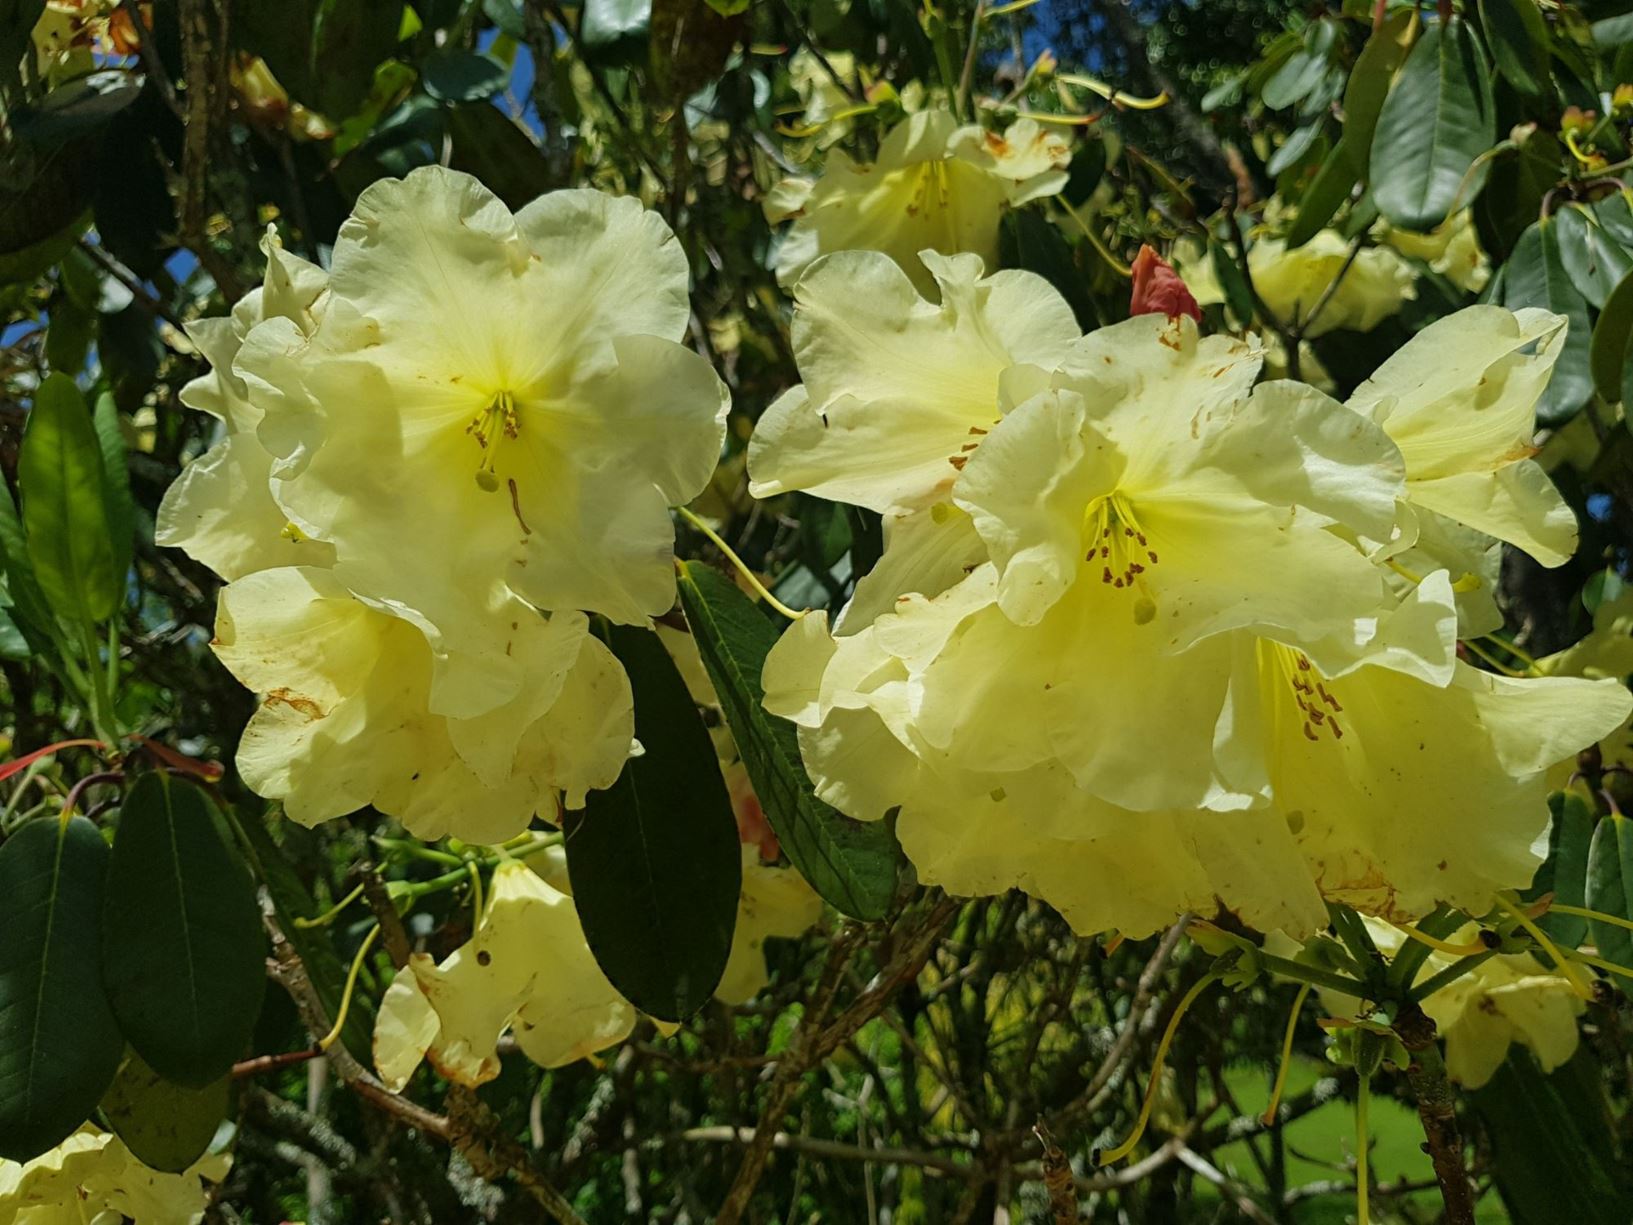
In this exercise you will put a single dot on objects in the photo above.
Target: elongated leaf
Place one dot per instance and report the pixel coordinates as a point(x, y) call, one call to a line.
point(463, 76)
point(1565, 872)
point(115, 482)
point(1519, 43)
point(350, 37)
point(1607, 355)
point(29, 611)
point(1325, 194)
point(59, 1045)
point(852, 864)
point(1519, 181)
point(1535, 276)
point(165, 1125)
point(1593, 259)
point(1610, 887)
point(1438, 119)
point(1368, 86)
point(654, 860)
point(65, 512)
point(182, 941)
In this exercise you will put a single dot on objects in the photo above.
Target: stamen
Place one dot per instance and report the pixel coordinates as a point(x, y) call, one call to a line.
point(1115, 537)
point(498, 420)
point(1157, 1064)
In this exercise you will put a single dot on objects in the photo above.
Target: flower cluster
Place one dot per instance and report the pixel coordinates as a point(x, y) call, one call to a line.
point(437, 458)
point(1150, 635)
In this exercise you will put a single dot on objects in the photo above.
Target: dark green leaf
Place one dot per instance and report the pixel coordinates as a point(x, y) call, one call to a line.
point(1518, 183)
point(1438, 119)
point(65, 512)
point(1325, 195)
point(115, 482)
point(78, 108)
point(1535, 276)
point(349, 39)
point(614, 31)
point(1607, 355)
point(182, 945)
point(507, 15)
point(497, 150)
point(59, 1046)
point(28, 611)
point(281, 34)
point(1565, 872)
point(68, 336)
point(165, 1125)
point(1592, 258)
point(1297, 144)
point(654, 860)
point(852, 864)
point(1519, 43)
point(1610, 887)
point(1238, 296)
point(463, 76)
point(1368, 85)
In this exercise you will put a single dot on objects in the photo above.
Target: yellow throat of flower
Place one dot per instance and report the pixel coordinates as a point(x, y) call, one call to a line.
point(1119, 546)
point(1318, 709)
point(495, 423)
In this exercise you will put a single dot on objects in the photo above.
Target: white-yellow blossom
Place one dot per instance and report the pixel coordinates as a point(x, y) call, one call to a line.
point(92, 1177)
point(936, 185)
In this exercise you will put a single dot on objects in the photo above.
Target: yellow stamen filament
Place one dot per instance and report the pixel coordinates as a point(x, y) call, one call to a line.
point(476, 893)
point(489, 427)
point(753, 580)
point(1119, 546)
point(1318, 707)
point(1286, 1054)
point(330, 1038)
point(923, 200)
point(1566, 969)
point(1157, 1064)
point(1582, 912)
point(1609, 967)
point(1439, 945)
point(329, 916)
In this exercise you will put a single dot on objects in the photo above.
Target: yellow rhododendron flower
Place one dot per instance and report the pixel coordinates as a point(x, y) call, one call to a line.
point(91, 1176)
point(936, 186)
point(1292, 282)
point(492, 405)
point(1413, 778)
point(221, 509)
point(1453, 250)
point(1505, 999)
point(527, 970)
point(898, 391)
point(345, 719)
point(1459, 400)
point(1605, 653)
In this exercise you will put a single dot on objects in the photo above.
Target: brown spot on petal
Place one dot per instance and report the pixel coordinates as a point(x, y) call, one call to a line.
point(304, 704)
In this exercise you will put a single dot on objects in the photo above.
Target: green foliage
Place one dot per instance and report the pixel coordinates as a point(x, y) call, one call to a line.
point(653, 859)
point(59, 1044)
point(165, 1125)
point(184, 956)
point(852, 864)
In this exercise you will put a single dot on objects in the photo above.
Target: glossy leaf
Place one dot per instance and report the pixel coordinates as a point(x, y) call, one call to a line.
point(463, 76)
point(115, 482)
point(28, 608)
point(349, 38)
point(654, 859)
point(59, 1045)
point(1565, 872)
point(165, 1125)
point(852, 864)
point(1593, 258)
point(1325, 195)
point(1437, 121)
point(1368, 86)
point(1519, 43)
point(65, 513)
point(182, 942)
point(1535, 276)
point(496, 149)
point(1610, 887)
point(1607, 355)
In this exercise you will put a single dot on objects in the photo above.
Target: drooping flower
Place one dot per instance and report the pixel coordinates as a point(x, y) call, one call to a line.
point(1459, 400)
point(491, 405)
point(345, 719)
point(92, 1176)
point(1606, 653)
point(936, 186)
point(898, 391)
point(1291, 283)
point(527, 970)
point(1452, 249)
point(221, 509)
point(1505, 999)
